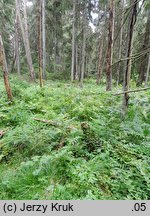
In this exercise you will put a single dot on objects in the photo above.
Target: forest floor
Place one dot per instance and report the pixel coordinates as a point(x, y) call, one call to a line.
point(85, 151)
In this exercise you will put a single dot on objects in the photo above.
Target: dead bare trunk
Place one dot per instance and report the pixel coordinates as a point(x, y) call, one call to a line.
point(110, 47)
point(132, 21)
point(3, 63)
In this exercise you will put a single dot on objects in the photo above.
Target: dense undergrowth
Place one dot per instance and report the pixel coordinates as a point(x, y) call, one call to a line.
point(90, 153)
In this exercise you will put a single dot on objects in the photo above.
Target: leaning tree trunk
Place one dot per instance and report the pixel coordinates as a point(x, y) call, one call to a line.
point(3, 63)
point(132, 21)
point(110, 47)
point(40, 42)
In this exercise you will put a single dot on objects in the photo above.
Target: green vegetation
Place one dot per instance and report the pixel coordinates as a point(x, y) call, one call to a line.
point(91, 153)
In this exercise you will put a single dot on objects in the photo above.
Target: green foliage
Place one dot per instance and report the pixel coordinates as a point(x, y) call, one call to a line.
point(91, 154)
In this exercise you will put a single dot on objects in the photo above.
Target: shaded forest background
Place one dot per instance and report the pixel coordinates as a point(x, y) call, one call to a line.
point(77, 39)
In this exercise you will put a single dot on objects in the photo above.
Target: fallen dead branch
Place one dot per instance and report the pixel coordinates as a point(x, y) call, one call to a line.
point(131, 91)
point(56, 124)
point(52, 123)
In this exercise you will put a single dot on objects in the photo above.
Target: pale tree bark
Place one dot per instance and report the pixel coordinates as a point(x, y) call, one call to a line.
point(143, 60)
point(120, 42)
point(55, 42)
point(77, 65)
point(3, 63)
point(40, 42)
point(17, 53)
point(55, 47)
point(101, 58)
point(147, 73)
point(44, 39)
point(99, 74)
point(25, 36)
point(132, 21)
point(27, 42)
point(21, 24)
point(83, 49)
point(110, 47)
point(73, 66)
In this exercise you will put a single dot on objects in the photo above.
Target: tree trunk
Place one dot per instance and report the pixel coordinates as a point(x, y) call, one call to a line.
point(55, 50)
point(73, 66)
point(83, 49)
point(77, 65)
point(24, 31)
point(132, 21)
point(44, 39)
point(147, 73)
point(110, 47)
point(40, 42)
point(143, 60)
point(100, 61)
point(28, 43)
point(99, 75)
point(3, 63)
point(120, 42)
point(17, 53)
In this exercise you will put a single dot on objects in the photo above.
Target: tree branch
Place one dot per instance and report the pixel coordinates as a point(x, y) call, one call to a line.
point(56, 124)
point(130, 91)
